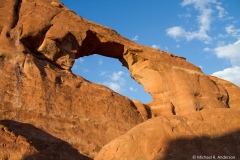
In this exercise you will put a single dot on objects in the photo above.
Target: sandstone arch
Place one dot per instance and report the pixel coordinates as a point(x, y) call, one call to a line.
point(40, 41)
point(176, 85)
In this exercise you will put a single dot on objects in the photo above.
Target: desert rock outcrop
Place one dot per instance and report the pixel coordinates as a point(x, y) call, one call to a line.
point(40, 90)
point(39, 42)
point(232, 90)
point(179, 137)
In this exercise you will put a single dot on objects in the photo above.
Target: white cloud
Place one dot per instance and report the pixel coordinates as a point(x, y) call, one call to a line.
point(114, 86)
point(184, 15)
point(221, 36)
point(102, 73)
point(117, 76)
point(135, 38)
point(230, 52)
point(222, 13)
point(156, 46)
point(116, 81)
point(133, 89)
point(198, 3)
point(176, 32)
point(100, 62)
point(230, 74)
point(207, 49)
point(204, 20)
point(233, 31)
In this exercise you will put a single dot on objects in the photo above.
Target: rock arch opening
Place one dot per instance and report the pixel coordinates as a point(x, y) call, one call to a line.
point(111, 73)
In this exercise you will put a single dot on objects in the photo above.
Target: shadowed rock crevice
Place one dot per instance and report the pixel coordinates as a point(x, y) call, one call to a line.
point(17, 7)
point(32, 42)
point(110, 49)
point(93, 45)
point(46, 145)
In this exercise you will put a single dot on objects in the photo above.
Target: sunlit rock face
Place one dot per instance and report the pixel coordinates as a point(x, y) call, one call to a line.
point(179, 137)
point(39, 42)
point(38, 89)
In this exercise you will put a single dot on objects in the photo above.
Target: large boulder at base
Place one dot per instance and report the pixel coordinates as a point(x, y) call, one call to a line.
point(208, 133)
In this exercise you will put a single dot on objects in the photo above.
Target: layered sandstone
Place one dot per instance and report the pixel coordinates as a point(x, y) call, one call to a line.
point(40, 41)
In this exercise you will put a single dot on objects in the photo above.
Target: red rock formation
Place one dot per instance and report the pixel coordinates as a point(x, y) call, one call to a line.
point(38, 88)
point(232, 90)
point(210, 132)
point(40, 41)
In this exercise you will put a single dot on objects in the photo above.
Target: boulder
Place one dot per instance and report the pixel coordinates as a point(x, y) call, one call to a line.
point(209, 133)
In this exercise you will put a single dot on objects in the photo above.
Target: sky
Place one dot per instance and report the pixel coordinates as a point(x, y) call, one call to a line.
point(205, 32)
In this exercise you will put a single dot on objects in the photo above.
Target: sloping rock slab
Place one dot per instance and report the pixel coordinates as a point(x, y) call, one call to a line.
point(212, 132)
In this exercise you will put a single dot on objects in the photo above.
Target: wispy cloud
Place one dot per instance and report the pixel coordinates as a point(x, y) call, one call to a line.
point(230, 52)
point(135, 38)
point(133, 89)
point(156, 46)
point(100, 62)
point(117, 76)
point(114, 86)
point(204, 20)
point(222, 13)
point(102, 73)
point(184, 15)
point(207, 49)
point(230, 29)
point(116, 81)
point(77, 64)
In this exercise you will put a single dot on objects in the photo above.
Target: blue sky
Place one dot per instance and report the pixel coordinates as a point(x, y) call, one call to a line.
point(205, 32)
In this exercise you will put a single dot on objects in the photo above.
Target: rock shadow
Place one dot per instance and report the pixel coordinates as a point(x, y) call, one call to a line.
point(222, 147)
point(48, 146)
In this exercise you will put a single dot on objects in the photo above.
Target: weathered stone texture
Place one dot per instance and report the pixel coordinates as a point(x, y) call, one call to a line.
point(39, 42)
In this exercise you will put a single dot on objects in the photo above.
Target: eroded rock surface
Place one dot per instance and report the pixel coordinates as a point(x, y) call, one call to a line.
point(232, 90)
point(207, 133)
point(38, 88)
point(39, 42)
